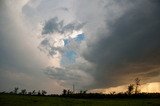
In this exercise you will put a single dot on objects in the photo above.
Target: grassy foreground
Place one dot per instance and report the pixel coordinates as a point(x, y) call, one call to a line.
point(26, 100)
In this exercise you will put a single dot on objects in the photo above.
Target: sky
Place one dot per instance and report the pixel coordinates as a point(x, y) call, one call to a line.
point(98, 45)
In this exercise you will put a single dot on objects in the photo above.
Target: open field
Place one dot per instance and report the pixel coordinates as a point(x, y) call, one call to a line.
point(25, 100)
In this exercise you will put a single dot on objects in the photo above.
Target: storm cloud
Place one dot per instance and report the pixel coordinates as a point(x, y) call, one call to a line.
point(93, 44)
point(53, 26)
point(68, 76)
point(131, 47)
point(119, 48)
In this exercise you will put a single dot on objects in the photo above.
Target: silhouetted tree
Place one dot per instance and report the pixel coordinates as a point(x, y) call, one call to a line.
point(39, 93)
point(44, 92)
point(29, 93)
point(112, 93)
point(33, 92)
point(137, 84)
point(83, 91)
point(130, 89)
point(69, 92)
point(15, 90)
point(23, 91)
point(64, 92)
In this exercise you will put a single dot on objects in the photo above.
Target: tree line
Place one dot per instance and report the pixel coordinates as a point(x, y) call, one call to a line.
point(133, 91)
point(17, 91)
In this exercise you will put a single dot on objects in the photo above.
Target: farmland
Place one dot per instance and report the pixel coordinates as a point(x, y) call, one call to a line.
point(28, 100)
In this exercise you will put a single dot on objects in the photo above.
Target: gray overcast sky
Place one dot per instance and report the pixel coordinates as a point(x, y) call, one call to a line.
point(52, 44)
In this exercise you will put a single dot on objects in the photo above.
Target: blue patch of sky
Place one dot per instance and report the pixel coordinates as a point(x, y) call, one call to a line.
point(79, 38)
point(66, 41)
point(69, 57)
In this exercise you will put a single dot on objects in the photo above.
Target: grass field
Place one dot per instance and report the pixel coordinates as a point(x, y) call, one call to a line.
point(25, 100)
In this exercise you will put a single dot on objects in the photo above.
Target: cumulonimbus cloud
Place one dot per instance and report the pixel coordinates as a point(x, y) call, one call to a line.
point(122, 40)
point(125, 47)
point(130, 48)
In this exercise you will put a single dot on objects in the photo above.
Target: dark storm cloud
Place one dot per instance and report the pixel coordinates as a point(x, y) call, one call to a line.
point(52, 26)
point(130, 48)
point(61, 74)
point(55, 26)
point(68, 76)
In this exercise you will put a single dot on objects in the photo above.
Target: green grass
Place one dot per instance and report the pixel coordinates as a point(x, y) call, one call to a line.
point(22, 100)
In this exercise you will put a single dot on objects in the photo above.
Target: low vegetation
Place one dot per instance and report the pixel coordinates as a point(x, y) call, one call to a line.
point(28, 100)
point(132, 97)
